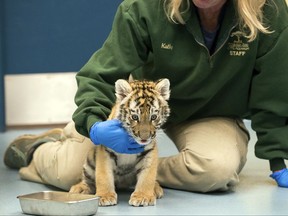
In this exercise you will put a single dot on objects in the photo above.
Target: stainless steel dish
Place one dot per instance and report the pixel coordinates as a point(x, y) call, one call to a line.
point(58, 203)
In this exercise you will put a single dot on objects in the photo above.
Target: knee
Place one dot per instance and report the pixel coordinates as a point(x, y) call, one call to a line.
point(210, 174)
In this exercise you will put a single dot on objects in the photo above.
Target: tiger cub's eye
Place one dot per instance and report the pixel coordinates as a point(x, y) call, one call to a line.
point(135, 117)
point(153, 117)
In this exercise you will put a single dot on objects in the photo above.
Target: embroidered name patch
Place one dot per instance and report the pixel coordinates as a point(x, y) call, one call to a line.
point(167, 46)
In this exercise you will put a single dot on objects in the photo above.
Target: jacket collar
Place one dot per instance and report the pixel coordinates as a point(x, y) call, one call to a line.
point(229, 21)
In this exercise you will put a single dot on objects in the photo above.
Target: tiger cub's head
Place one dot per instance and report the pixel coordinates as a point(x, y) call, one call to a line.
point(142, 107)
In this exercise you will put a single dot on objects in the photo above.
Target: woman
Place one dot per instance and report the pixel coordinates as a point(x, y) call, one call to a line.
point(226, 60)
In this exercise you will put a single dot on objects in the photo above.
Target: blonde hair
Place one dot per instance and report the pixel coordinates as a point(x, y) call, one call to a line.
point(250, 14)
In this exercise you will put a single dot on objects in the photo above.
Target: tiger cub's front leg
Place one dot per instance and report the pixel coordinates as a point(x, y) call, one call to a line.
point(105, 187)
point(147, 190)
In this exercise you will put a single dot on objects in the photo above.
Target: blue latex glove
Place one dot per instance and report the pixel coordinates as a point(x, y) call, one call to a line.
point(111, 134)
point(281, 177)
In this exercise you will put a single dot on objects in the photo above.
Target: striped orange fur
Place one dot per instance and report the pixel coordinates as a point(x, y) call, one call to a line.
point(142, 108)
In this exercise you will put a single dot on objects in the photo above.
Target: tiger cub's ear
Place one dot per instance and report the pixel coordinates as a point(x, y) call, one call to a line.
point(122, 89)
point(163, 87)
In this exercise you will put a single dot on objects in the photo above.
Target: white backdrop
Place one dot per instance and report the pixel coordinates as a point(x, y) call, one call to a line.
point(36, 99)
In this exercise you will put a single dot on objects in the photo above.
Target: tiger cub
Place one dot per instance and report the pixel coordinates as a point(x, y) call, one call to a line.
point(142, 108)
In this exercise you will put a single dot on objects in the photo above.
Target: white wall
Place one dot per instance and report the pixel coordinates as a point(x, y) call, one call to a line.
point(39, 99)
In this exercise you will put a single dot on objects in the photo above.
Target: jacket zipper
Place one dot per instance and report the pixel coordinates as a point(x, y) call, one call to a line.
point(211, 56)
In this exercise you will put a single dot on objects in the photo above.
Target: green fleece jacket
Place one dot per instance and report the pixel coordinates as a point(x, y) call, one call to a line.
point(240, 79)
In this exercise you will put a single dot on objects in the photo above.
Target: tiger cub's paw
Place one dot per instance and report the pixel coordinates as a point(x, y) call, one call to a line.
point(142, 199)
point(82, 188)
point(158, 191)
point(107, 199)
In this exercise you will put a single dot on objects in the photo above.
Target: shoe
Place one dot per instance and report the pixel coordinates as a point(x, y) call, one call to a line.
point(20, 152)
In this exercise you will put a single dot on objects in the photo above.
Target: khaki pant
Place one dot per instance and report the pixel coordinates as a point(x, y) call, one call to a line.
point(59, 163)
point(212, 152)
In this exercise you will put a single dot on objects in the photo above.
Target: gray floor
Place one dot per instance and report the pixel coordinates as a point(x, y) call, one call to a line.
point(256, 194)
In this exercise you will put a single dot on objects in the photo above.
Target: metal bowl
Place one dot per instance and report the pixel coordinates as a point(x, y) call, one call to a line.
point(58, 203)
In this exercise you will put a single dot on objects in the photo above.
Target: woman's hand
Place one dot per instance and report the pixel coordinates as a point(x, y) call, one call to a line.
point(281, 177)
point(112, 135)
